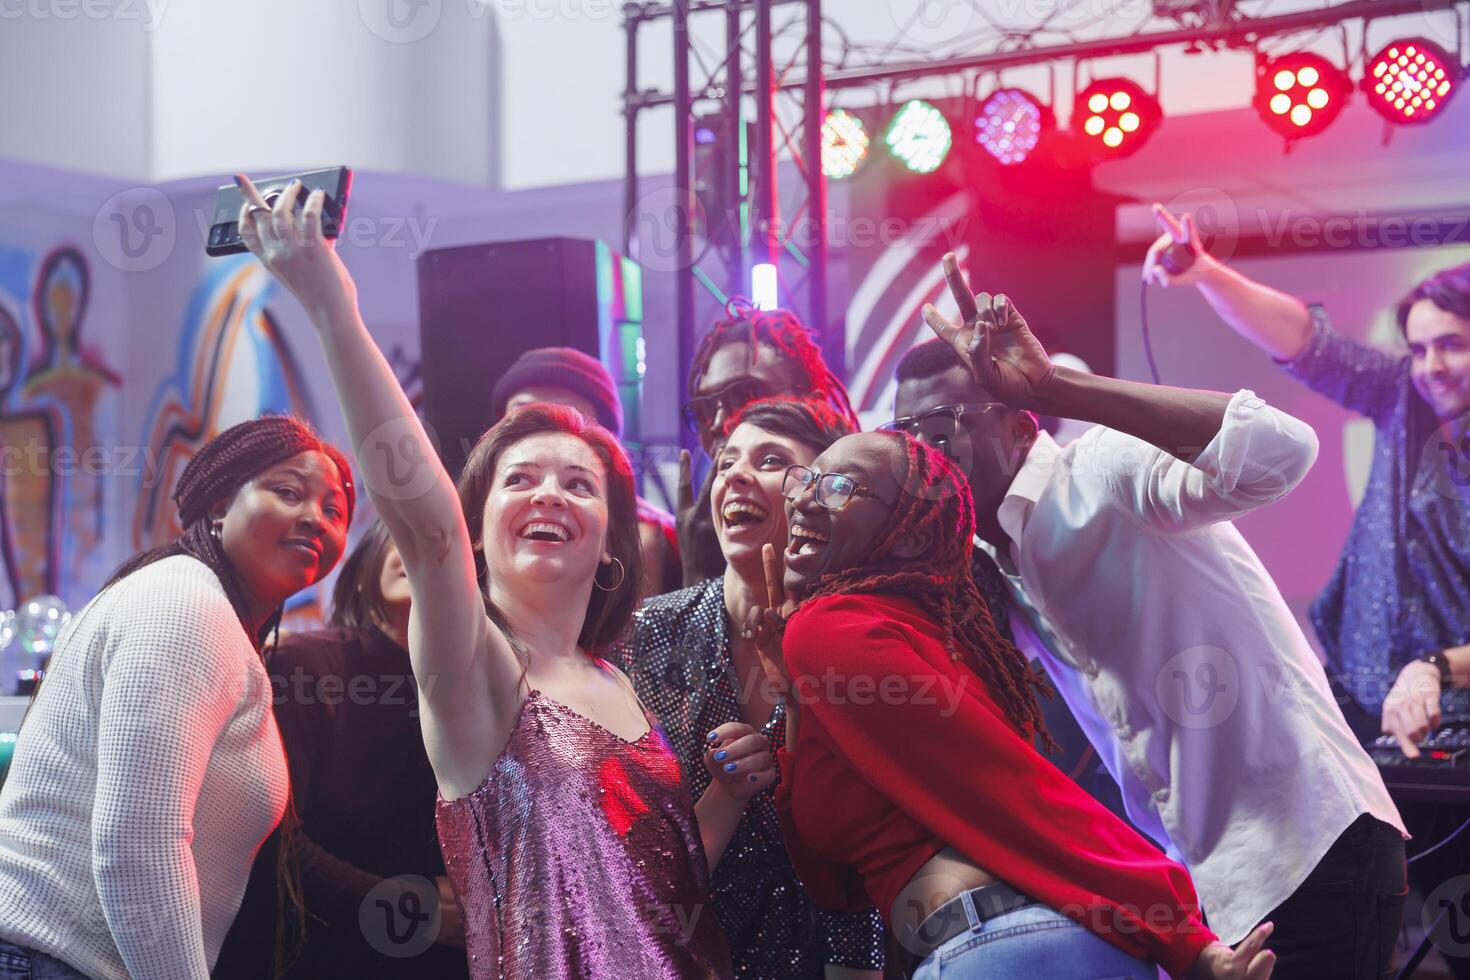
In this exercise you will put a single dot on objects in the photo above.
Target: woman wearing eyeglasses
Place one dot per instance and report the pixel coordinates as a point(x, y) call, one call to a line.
point(699, 675)
point(909, 779)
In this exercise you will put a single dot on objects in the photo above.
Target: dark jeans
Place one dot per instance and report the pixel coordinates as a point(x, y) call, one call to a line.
point(1344, 920)
point(19, 963)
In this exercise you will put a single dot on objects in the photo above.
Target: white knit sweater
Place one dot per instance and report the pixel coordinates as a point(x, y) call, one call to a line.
point(145, 779)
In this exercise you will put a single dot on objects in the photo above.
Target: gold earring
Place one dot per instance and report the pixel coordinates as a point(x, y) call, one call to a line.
point(622, 574)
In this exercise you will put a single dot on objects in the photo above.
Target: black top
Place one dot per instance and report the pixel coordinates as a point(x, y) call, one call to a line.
point(347, 707)
point(678, 657)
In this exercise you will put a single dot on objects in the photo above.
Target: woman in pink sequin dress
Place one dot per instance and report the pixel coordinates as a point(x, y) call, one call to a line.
point(571, 842)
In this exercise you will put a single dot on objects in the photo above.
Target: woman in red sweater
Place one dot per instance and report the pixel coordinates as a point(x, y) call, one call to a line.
point(913, 784)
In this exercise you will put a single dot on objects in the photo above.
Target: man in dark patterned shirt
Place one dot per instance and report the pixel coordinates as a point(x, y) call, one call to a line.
point(1394, 620)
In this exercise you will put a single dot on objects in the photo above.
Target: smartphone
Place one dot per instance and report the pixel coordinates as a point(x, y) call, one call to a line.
point(224, 229)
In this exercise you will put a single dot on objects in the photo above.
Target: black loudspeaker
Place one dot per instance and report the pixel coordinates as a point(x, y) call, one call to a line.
point(483, 306)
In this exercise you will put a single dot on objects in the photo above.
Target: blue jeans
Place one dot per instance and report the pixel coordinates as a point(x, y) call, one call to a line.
point(1031, 942)
point(19, 963)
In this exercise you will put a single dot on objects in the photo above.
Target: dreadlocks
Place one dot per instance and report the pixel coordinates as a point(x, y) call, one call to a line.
point(936, 499)
point(222, 466)
point(782, 331)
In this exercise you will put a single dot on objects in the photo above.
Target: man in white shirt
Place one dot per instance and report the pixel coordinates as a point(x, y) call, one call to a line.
point(1165, 634)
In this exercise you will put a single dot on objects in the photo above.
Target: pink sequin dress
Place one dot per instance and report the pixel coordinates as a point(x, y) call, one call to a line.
point(579, 857)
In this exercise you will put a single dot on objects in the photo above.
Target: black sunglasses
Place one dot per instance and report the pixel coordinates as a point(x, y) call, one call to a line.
point(943, 421)
point(700, 413)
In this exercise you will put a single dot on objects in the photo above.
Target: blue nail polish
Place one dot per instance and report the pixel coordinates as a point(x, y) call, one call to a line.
point(729, 767)
point(720, 755)
point(712, 736)
point(753, 777)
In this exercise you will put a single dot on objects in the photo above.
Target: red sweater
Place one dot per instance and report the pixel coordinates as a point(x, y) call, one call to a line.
point(901, 751)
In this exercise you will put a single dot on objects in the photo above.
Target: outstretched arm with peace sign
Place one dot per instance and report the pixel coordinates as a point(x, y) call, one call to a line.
point(1008, 362)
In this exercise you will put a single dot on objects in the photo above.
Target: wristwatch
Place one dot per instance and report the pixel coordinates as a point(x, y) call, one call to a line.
point(1440, 662)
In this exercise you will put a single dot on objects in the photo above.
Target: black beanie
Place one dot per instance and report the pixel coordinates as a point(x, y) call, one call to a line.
point(563, 367)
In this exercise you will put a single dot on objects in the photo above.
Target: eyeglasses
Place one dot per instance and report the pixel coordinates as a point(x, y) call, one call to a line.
point(834, 490)
point(939, 423)
point(700, 413)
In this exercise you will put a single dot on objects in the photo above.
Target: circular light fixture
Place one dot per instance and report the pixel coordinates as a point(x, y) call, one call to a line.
point(1009, 124)
point(844, 144)
point(1409, 81)
point(1300, 94)
point(919, 136)
point(1115, 116)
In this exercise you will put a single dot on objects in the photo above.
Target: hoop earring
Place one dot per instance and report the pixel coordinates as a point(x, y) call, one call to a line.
point(214, 529)
point(622, 574)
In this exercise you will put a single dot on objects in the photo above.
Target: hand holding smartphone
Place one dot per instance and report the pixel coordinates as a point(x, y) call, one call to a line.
point(224, 228)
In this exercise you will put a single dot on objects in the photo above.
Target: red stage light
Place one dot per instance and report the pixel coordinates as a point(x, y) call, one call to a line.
point(1300, 94)
point(844, 144)
point(1010, 123)
point(1409, 81)
point(1115, 116)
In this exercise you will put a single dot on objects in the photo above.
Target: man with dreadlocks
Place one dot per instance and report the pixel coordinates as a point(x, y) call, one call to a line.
point(1163, 631)
point(749, 355)
point(150, 770)
point(909, 778)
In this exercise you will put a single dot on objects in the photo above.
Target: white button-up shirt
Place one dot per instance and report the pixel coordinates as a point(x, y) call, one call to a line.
point(1179, 657)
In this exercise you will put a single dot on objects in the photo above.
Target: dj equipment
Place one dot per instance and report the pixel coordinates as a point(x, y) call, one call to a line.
point(1441, 773)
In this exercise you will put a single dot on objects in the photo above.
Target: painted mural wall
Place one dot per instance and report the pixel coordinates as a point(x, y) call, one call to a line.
point(123, 348)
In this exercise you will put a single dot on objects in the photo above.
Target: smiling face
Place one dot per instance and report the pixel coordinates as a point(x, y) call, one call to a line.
point(988, 446)
point(745, 496)
point(285, 529)
point(546, 516)
point(1439, 358)
point(824, 542)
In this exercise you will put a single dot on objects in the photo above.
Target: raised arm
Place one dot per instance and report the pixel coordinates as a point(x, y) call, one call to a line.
point(1275, 322)
point(465, 667)
point(1007, 360)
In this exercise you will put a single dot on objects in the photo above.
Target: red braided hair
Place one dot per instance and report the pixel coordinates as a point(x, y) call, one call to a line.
point(782, 331)
point(936, 498)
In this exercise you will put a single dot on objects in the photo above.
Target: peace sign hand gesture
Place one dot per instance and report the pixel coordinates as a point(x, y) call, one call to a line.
point(1003, 355)
point(766, 625)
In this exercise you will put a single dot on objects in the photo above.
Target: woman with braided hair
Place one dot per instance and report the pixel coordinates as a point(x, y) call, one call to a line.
point(149, 769)
point(748, 355)
point(909, 779)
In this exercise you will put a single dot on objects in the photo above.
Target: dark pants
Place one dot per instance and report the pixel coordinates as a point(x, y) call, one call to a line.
point(19, 963)
point(1442, 878)
point(1344, 920)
